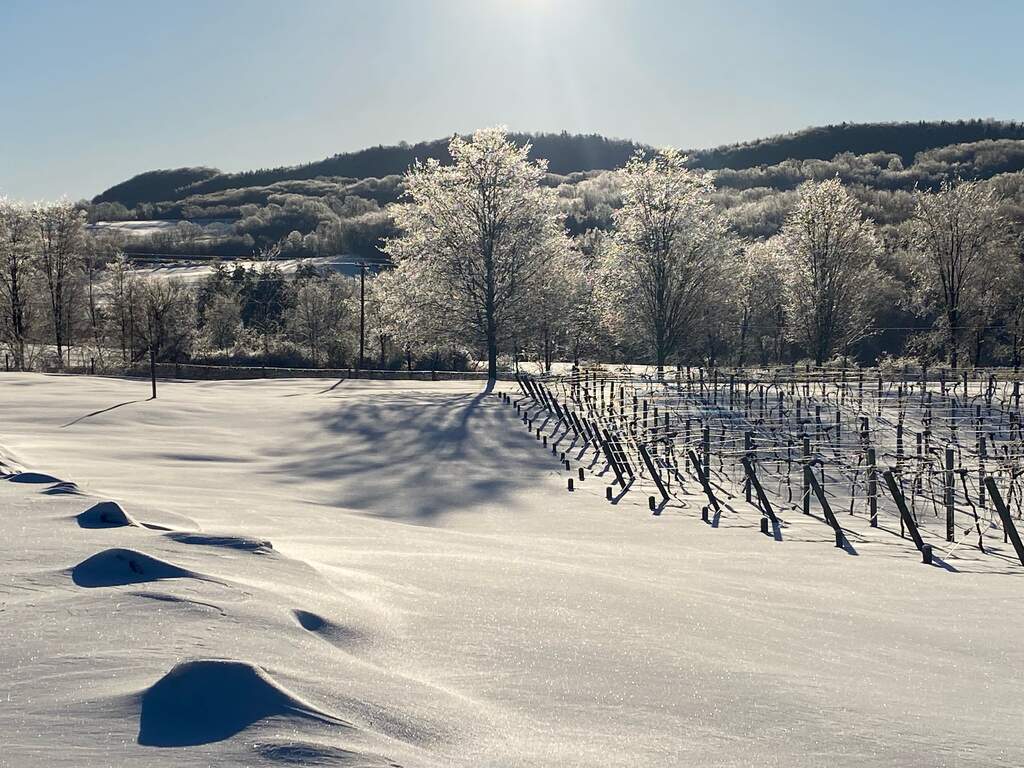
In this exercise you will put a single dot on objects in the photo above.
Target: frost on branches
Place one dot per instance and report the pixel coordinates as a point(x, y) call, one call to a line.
point(828, 252)
point(479, 235)
point(670, 252)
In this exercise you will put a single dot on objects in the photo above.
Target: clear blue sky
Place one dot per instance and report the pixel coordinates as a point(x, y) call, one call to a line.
point(94, 92)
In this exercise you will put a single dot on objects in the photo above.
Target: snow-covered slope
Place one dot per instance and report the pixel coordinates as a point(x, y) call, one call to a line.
point(383, 573)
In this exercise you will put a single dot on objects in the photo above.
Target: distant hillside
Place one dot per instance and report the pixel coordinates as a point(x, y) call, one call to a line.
point(824, 143)
point(565, 153)
point(572, 153)
point(339, 205)
point(154, 186)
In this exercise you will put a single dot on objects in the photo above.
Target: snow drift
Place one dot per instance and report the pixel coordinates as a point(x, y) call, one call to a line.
point(105, 514)
point(209, 700)
point(117, 567)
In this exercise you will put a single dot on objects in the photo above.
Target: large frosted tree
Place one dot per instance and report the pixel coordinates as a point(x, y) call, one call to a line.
point(478, 234)
point(961, 241)
point(670, 245)
point(828, 252)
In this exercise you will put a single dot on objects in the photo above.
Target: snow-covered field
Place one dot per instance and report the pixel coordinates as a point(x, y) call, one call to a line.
point(382, 573)
point(193, 271)
point(210, 227)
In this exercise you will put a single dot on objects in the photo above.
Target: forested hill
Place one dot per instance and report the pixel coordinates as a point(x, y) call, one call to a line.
point(570, 153)
point(825, 142)
point(565, 153)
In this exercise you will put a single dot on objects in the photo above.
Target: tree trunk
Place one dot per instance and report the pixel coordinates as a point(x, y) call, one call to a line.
point(660, 347)
point(743, 338)
point(953, 334)
point(490, 311)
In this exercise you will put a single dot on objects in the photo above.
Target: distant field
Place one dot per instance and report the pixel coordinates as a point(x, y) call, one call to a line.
point(191, 270)
point(212, 227)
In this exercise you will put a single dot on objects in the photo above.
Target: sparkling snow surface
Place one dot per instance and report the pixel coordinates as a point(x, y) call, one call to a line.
point(381, 573)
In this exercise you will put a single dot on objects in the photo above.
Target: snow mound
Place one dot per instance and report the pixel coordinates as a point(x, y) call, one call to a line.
point(63, 488)
point(327, 630)
point(114, 567)
point(309, 753)
point(35, 478)
point(208, 700)
point(106, 514)
point(243, 543)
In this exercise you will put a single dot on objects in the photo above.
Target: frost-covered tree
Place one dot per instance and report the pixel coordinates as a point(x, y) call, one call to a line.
point(120, 296)
point(321, 317)
point(18, 237)
point(100, 252)
point(759, 293)
point(564, 317)
point(960, 239)
point(828, 264)
point(380, 313)
point(483, 231)
point(670, 242)
point(403, 305)
point(166, 318)
point(60, 227)
point(222, 320)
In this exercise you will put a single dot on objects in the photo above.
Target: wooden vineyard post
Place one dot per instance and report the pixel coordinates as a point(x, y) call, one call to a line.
point(982, 455)
point(748, 444)
point(655, 475)
point(826, 508)
point(872, 487)
point(1004, 517)
point(698, 468)
point(762, 498)
point(949, 494)
point(613, 461)
point(901, 505)
point(805, 488)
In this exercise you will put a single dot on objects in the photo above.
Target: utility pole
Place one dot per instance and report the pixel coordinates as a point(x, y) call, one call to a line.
point(362, 313)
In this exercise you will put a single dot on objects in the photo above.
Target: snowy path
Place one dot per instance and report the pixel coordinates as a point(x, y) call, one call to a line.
point(434, 596)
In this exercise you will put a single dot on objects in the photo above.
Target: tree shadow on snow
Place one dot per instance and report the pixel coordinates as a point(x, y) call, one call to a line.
point(414, 457)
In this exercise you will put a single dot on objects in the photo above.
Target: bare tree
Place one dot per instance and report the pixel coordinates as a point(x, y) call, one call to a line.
point(60, 228)
point(167, 317)
point(959, 236)
point(17, 243)
point(828, 262)
point(222, 324)
point(121, 289)
point(321, 315)
point(100, 252)
point(268, 295)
